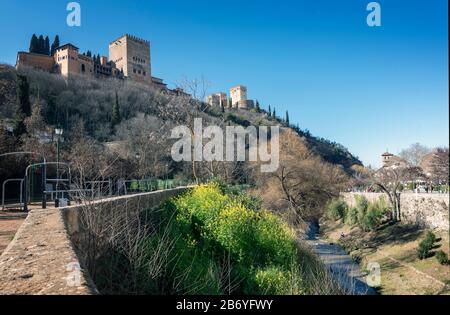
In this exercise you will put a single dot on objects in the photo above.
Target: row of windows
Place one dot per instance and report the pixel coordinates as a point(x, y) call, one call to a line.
point(103, 70)
point(139, 72)
point(65, 57)
point(137, 59)
point(98, 70)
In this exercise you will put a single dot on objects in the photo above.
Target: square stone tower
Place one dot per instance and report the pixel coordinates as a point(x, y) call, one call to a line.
point(238, 96)
point(132, 55)
point(218, 99)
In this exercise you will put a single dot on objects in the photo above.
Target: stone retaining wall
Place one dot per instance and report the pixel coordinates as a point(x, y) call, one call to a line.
point(425, 210)
point(45, 258)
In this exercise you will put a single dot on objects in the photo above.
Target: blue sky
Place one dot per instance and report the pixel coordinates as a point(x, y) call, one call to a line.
point(370, 89)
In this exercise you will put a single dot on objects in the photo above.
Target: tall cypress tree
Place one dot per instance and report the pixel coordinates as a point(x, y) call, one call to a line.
point(23, 106)
point(270, 111)
point(47, 46)
point(258, 108)
point(41, 45)
point(287, 118)
point(116, 117)
point(34, 44)
point(274, 113)
point(55, 45)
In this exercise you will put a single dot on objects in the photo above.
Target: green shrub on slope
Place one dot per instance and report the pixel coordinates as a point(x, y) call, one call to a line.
point(218, 235)
point(337, 209)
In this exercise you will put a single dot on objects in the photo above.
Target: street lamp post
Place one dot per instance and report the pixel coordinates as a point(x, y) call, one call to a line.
point(167, 175)
point(58, 133)
point(138, 161)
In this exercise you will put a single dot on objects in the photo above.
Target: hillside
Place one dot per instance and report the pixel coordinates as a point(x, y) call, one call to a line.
point(91, 101)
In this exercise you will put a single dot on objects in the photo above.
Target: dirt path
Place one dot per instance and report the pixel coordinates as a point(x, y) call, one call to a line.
point(10, 221)
point(341, 265)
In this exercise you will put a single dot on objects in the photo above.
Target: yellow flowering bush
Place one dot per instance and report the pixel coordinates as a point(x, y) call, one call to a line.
point(213, 227)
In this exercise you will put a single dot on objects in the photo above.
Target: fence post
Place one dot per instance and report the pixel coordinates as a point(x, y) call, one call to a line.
point(44, 182)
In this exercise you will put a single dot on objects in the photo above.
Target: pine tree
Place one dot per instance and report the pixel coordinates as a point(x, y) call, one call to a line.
point(47, 46)
point(34, 44)
point(23, 106)
point(55, 45)
point(258, 108)
point(116, 118)
point(274, 115)
point(41, 45)
point(287, 118)
point(270, 111)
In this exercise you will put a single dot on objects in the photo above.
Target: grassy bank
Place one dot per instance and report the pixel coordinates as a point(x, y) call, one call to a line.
point(212, 240)
point(394, 247)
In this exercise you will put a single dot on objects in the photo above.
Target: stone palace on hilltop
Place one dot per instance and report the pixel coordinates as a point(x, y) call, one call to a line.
point(129, 57)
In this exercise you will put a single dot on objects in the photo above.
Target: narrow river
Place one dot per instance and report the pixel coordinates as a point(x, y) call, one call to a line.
point(346, 271)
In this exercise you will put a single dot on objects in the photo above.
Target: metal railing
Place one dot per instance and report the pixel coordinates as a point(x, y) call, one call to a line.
point(148, 185)
point(20, 180)
point(97, 186)
point(44, 164)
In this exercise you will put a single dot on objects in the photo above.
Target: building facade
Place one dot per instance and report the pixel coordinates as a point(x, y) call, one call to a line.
point(68, 61)
point(389, 160)
point(218, 99)
point(38, 61)
point(131, 55)
point(238, 96)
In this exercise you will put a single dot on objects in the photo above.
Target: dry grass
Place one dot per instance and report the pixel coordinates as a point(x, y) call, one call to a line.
point(394, 248)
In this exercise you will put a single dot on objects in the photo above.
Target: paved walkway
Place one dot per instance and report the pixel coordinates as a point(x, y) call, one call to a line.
point(41, 259)
point(10, 221)
point(341, 265)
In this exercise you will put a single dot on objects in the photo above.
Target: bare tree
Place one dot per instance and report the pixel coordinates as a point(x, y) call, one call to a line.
point(145, 139)
point(361, 176)
point(440, 165)
point(303, 183)
point(389, 180)
point(37, 137)
point(187, 105)
point(415, 154)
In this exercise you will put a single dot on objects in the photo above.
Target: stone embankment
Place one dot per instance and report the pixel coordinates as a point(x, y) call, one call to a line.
point(425, 210)
point(42, 259)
